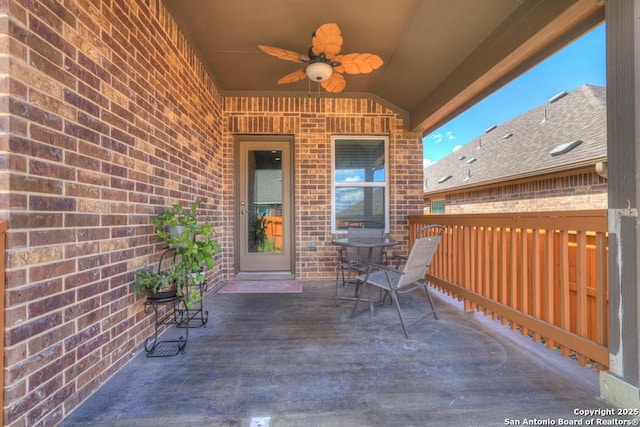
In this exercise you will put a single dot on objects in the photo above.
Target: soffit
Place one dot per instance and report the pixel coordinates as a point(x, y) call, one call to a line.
point(439, 56)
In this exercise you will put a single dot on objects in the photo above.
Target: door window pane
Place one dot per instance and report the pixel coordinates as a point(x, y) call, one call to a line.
point(264, 201)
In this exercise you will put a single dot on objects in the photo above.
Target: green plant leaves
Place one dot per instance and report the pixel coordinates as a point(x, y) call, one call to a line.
point(194, 247)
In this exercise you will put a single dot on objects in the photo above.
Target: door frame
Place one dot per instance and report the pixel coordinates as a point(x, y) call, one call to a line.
point(287, 139)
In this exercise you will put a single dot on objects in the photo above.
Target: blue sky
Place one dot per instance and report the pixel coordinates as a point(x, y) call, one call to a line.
point(582, 62)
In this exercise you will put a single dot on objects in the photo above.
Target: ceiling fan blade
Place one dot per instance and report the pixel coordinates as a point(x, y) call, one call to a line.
point(293, 77)
point(327, 39)
point(287, 55)
point(335, 84)
point(358, 63)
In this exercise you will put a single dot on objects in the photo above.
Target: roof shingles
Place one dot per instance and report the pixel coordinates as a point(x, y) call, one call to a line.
point(580, 115)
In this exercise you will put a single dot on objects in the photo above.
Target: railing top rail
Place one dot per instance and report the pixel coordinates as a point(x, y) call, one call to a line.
point(586, 220)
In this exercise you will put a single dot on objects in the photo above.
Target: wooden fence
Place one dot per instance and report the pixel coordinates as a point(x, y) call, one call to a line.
point(274, 230)
point(542, 272)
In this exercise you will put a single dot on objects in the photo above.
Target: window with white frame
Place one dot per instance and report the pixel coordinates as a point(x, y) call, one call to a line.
point(360, 183)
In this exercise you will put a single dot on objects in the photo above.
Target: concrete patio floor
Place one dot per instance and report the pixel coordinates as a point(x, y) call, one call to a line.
point(298, 360)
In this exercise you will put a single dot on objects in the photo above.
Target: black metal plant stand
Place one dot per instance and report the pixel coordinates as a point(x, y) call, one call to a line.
point(194, 316)
point(177, 313)
point(165, 348)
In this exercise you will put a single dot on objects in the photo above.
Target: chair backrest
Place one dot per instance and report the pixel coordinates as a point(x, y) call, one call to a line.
point(422, 252)
point(362, 254)
point(430, 230)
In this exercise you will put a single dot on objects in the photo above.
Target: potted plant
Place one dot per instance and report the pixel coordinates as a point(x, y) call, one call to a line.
point(191, 240)
point(161, 284)
point(175, 225)
point(193, 298)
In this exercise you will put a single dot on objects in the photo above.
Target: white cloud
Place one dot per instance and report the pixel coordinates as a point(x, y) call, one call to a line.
point(437, 138)
point(426, 163)
point(352, 179)
point(457, 147)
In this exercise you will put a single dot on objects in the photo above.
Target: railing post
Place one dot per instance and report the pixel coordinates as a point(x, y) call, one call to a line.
point(549, 250)
point(536, 279)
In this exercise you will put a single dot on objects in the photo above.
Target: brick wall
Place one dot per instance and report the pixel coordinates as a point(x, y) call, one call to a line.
point(107, 117)
point(576, 191)
point(314, 121)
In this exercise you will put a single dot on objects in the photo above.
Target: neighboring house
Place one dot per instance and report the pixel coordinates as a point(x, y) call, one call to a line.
point(553, 157)
point(268, 192)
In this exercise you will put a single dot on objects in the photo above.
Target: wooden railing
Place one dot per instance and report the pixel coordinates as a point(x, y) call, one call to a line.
point(544, 273)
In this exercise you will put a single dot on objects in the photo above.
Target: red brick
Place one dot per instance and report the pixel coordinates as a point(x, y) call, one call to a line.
point(36, 149)
point(31, 328)
point(57, 204)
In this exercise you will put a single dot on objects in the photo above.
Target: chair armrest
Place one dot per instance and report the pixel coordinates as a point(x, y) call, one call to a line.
point(400, 258)
point(371, 266)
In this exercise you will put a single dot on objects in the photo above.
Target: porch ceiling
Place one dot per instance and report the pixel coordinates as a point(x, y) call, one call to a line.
point(440, 57)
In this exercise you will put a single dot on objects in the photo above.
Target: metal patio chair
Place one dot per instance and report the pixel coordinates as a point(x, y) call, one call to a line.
point(411, 277)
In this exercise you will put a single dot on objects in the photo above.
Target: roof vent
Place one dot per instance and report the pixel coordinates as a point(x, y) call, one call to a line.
point(565, 148)
point(490, 128)
point(507, 136)
point(463, 157)
point(479, 143)
point(471, 160)
point(466, 178)
point(557, 97)
point(544, 116)
point(444, 179)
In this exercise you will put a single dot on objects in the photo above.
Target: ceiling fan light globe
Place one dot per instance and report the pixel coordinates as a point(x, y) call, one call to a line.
point(318, 71)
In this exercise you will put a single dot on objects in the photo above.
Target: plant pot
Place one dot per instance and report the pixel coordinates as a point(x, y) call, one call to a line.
point(175, 232)
point(168, 291)
point(162, 295)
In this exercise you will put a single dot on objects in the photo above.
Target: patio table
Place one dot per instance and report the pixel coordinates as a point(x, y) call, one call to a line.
point(366, 243)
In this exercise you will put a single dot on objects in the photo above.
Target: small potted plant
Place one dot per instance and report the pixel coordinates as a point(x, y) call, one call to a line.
point(161, 284)
point(193, 298)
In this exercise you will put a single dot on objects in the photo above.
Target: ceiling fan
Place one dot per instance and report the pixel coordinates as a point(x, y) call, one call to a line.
point(324, 62)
